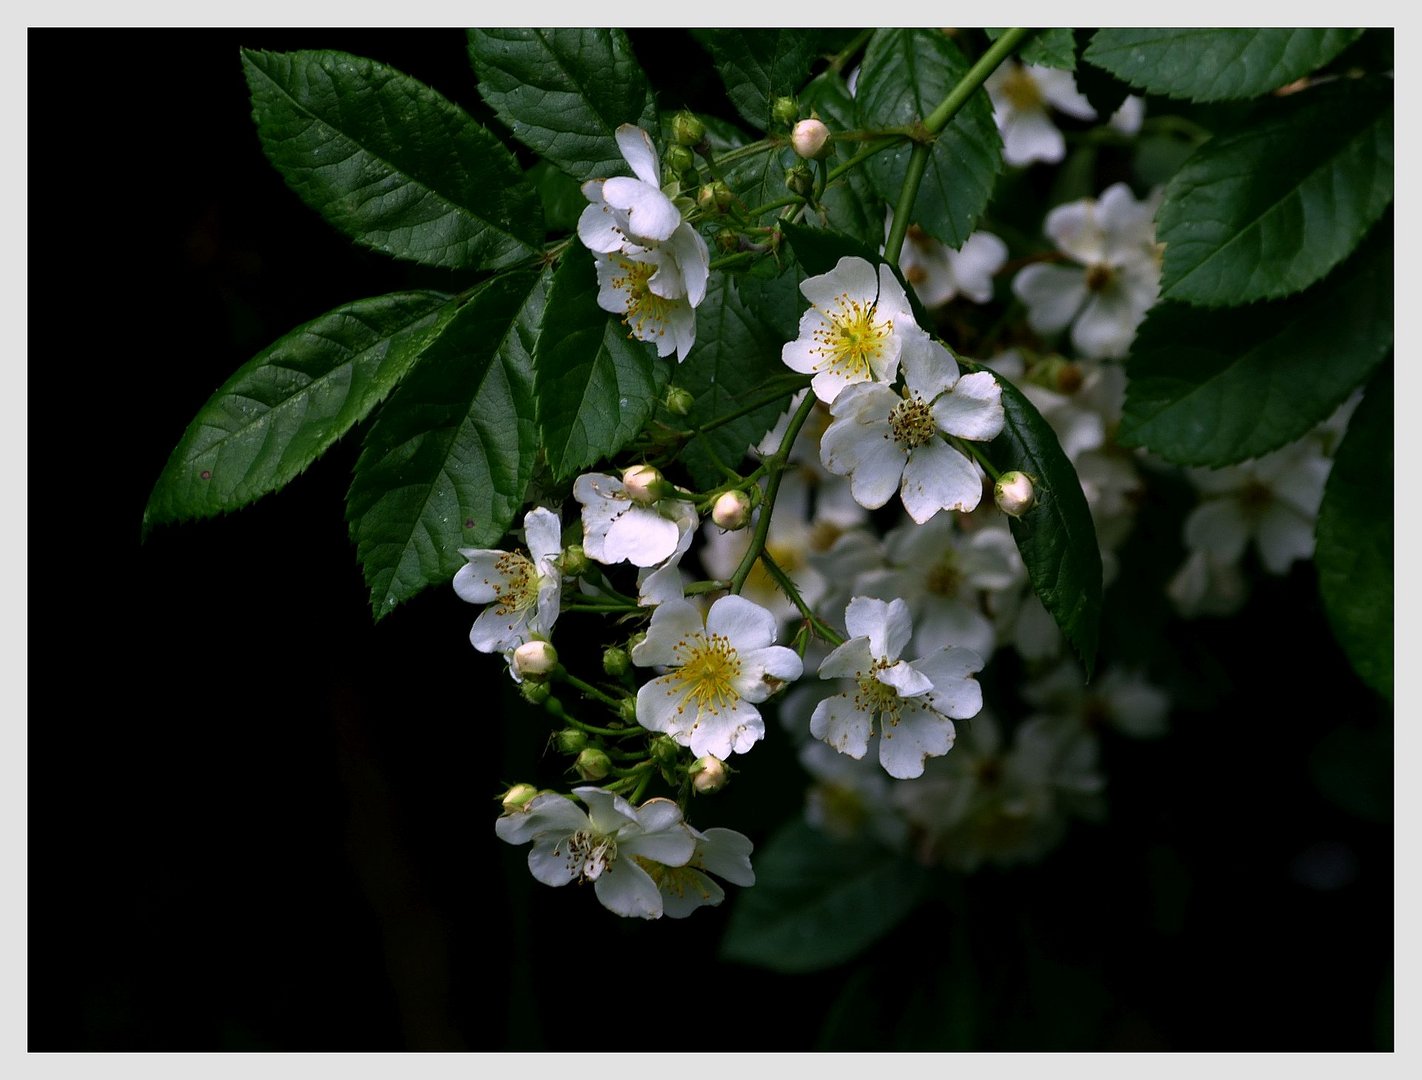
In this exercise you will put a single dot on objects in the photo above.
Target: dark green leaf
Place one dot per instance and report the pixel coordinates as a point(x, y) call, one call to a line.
point(390, 162)
point(905, 75)
point(759, 66)
point(1053, 48)
point(1056, 537)
point(596, 386)
point(562, 197)
point(1269, 210)
point(282, 409)
point(734, 364)
point(1355, 538)
point(1219, 387)
point(447, 463)
point(851, 202)
point(564, 92)
point(1102, 90)
point(760, 178)
point(1214, 64)
point(818, 902)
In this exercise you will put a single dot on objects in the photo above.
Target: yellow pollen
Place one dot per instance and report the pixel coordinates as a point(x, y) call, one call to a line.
point(911, 424)
point(705, 679)
point(877, 698)
point(518, 588)
point(853, 340)
point(647, 313)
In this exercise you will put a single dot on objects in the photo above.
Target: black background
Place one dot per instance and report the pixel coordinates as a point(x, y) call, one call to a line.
point(257, 821)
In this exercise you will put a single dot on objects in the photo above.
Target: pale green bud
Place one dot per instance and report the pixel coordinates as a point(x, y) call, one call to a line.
point(1014, 493)
point(784, 111)
point(800, 180)
point(592, 764)
point(687, 129)
point(708, 774)
point(535, 693)
point(728, 240)
point(665, 751)
point(573, 561)
point(570, 741)
point(615, 661)
point(679, 401)
point(518, 796)
point(680, 158)
point(534, 659)
point(627, 710)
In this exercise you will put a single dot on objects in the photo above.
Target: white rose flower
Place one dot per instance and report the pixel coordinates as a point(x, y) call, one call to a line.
point(858, 321)
point(611, 845)
point(887, 443)
point(1020, 95)
point(914, 703)
point(718, 669)
point(723, 852)
point(618, 529)
point(523, 593)
point(938, 273)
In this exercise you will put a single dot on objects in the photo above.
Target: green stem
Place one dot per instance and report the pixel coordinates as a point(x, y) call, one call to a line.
point(798, 382)
point(723, 261)
point(772, 489)
point(935, 122)
point(587, 688)
point(972, 448)
point(641, 788)
point(787, 586)
point(592, 729)
point(848, 53)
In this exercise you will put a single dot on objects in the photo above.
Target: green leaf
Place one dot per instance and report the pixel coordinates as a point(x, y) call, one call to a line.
point(448, 461)
point(596, 386)
point(818, 902)
point(1269, 210)
point(562, 198)
point(563, 92)
point(1053, 48)
point(905, 75)
point(1219, 387)
point(391, 163)
point(1214, 64)
point(1102, 90)
point(851, 202)
point(759, 66)
point(1056, 538)
point(283, 408)
point(734, 364)
point(1355, 538)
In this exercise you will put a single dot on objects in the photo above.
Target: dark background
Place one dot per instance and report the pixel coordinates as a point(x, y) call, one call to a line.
point(257, 821)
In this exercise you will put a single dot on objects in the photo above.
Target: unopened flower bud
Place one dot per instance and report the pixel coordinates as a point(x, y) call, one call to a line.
point(732, 510)
point(810, 138)
point(1014, 493)
point(615, 661)
point(534, 659)
point(800, 180)
point(724, 195)
point(627, 710)
point(708, 774)
point(635, 640)
point(519, 795)
point(665, 751)
point(784, 111)
point(728, 240)
point(687, 129)
point(706, 198)
point(570, 741)
point(643, 484)
point(592, 764)
point(680, 158)
point(535, 693)
point(679, 401)
point(573, 561)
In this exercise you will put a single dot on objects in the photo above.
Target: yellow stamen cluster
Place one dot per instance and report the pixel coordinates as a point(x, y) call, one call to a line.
point(518, 588)
point(852, 340)
point(877, 698)
point(647, 313)
point(1021, 90)
point(911, 423)
point(705, 679)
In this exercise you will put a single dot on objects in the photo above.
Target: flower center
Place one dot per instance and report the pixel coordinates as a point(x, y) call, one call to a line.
point(853, 339)
point(944, 578)
point(708, 670)
point(519, 588)
point(911, 424)
point(591, 854)
point(1099, 276)
point(646, 313)
point(877, 698)
point(1021, 90)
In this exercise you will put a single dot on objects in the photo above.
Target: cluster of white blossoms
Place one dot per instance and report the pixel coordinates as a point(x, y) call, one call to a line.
point(652, 267)
point(1106, 296)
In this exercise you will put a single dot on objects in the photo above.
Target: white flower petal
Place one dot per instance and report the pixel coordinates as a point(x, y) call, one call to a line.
point(672, 622)
point(919, 733)
point(764, 671)
point(496, 632)
point(1217, 527)
point(841, 725)
point(848, 660)
point(907, 681)
point(601, 227)
point(1106, 326)
point(608, 812)
point(691, 253)
point(543, 532)
point(544, 814)
point(626, 889)
point(1077, 230)
point(746, 624)
point(955, 692)
point(659, 706)
point(928, 368)
point(1059, 88)
point(641, 536)
point(1029, 135)
point(852, 277)
point(1283, 536)
point(650, 214)
point(976, 263)
point(548, 861)
point(684, 889)
point(672, 845)
point(1053, 295)
point(475, 581)
point(888, 626)
point(972, 409)
point(639, 153)
point(726, 853)
point(876, 475)
point(938, 477)
point(726, 731)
